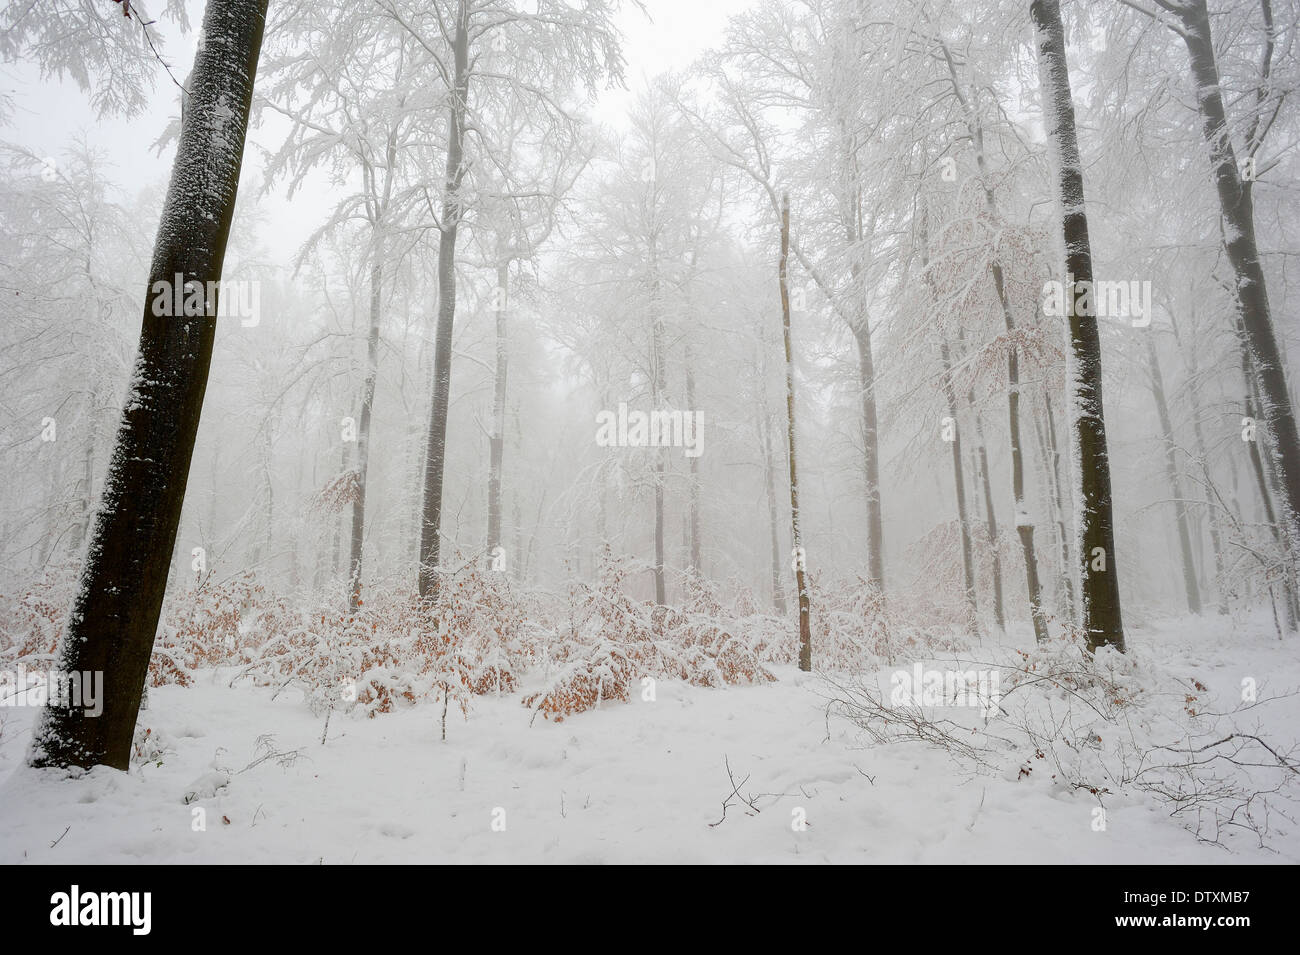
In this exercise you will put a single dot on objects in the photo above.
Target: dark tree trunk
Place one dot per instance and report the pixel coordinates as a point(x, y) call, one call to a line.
point(1290, 605)
point(435, 456)
point(1236, 207)
point(1100, 610)
point(115, 614)
point(800, 568)
point(1024, 526)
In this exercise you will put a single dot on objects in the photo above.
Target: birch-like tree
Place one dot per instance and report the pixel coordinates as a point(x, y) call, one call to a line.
point(482, 52)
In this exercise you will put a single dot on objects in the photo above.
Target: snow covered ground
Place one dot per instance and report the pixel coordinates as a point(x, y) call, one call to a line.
point(631, 783)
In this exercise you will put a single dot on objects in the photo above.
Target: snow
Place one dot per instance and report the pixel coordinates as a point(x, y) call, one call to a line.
point(638, 782)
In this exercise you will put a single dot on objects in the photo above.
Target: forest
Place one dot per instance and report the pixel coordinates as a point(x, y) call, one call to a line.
point(643, 430)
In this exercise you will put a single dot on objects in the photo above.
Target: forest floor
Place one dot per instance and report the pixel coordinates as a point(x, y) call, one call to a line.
point(638, 782)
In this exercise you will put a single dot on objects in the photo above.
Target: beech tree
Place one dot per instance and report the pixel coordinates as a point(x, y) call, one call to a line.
point(471, 258)
point(806, 61)
point(1234, 181)
point(1100, 609)
point(647, 234)
point(799, 558)
point(347, 79)
point(67, 251)
point(533, 166)
point(112, 623)
point(482, 51)
point(950, 399)
point(975, 134)
point(1190, 587)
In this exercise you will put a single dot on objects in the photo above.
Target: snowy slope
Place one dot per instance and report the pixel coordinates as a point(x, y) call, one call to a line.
point(630, 783)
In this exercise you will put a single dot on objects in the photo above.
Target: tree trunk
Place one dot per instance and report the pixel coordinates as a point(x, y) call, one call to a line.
point(769, 480)
point(763, 424)
point(661, 590)
point(1291, 607)
point(1024, 526)
point(268, 499)
point(413, 454)
point(1058, 497)
point(336, 547)
point(1202, 459)
point(959, 490)
point(658, 385)
point(1236, 207)
point(529, 572)
point(870, 456)
point(694, 503)
point(363, 429)
point(856, 239)
point(799, 561)
point(602, 506)
point(991, 519)
point(517, 519)
point(86, 496)
point(435, 455)
point(115, 614)
point(496, 443)
point(959, 484)
point(1100, 611)
point(1190, 587)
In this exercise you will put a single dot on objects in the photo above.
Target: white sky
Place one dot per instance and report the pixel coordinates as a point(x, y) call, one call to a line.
point(669, 35)
point(676, 32)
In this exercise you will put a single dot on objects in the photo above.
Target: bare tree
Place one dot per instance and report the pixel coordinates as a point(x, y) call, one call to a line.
point(1100, 611)
point(799, 557)
point(490, 50)
point(1234, 181)
point(112, 624)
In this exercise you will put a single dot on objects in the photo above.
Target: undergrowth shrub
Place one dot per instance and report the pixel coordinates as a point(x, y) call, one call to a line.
point(560, 654)
point(609, 641)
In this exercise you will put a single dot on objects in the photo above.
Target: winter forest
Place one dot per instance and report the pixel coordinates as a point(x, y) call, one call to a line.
point(557, 431)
